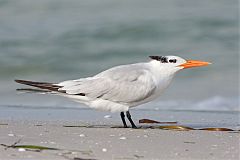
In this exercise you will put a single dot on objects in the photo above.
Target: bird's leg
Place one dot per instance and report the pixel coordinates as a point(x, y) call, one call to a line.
point(130, 119)
point(123, 119)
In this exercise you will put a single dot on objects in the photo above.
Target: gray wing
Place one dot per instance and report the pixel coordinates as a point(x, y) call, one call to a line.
point(121, 84)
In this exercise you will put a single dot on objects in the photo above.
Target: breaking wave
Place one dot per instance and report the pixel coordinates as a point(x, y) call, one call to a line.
point(216, 103)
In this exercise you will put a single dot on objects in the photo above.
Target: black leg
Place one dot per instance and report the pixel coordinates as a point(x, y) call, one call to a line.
point(123, 119)
point(130, 119)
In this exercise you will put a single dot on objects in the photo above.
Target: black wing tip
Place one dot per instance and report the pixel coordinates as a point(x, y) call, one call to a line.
point(21, 81)
point(30, 82)
point(42, 85)
point(18, 80)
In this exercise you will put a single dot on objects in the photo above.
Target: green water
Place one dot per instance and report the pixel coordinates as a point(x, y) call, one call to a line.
point(55, 40)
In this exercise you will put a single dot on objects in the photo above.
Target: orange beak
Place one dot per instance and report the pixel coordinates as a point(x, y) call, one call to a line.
point(194, 63)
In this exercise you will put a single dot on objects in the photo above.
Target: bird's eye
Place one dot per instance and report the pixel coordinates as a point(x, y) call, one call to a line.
point(172, 60)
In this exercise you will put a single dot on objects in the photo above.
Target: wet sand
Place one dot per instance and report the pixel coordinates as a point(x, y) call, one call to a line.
point(76, 140)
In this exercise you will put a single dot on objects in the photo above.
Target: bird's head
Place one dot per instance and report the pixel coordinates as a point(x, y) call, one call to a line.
point(177, 63)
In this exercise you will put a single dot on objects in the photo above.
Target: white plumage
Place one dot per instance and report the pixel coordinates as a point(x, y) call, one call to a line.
point(122, 87)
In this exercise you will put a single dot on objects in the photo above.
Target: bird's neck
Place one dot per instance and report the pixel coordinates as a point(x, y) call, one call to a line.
point(162, 71)
point(162, 75)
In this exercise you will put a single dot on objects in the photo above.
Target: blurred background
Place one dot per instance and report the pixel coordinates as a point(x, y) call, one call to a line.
point(56, 40)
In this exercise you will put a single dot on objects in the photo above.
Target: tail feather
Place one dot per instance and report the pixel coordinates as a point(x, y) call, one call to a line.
point(41, 85)
point(32, 90)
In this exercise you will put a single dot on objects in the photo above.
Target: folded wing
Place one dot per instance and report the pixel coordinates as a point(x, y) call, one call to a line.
point(122, 85)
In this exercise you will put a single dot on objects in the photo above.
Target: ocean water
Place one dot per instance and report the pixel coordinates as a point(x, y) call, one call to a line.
point(56, 40)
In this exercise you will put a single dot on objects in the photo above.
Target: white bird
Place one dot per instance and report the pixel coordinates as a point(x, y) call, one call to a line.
point(120, 88)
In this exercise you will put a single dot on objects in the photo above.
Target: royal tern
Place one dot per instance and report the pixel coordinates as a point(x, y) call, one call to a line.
point(120, 88)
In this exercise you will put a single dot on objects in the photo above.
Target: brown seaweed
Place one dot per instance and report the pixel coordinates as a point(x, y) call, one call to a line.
point(153, 121)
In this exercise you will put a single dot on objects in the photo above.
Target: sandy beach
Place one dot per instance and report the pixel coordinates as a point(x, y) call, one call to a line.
point(77, 141)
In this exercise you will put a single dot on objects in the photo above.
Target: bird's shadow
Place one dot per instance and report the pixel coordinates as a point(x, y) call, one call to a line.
point(109, 126)
point(156, 126)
